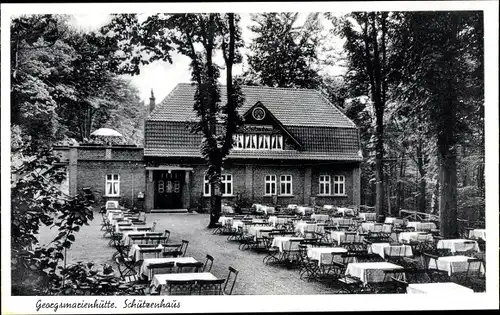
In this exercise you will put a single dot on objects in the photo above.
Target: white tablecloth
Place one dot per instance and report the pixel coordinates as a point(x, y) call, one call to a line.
point(345, 211)
point(273, 220)
point(458, 245)
point(406, 237)
point(263, 209)
point(386, 250)
point(135, 251)
point(447, 288)
point(163, 278)
point(224, 220)
point(367, 216)
point(319, 217)
point(259, 230)
point(282, 242)
point(145, 264)
point(421, 226)
point(324, 254)
point(291, 206)
point(303, 227)
point(227, 209)
point(304, 210)
point(370, 272)
point(478, 233)
point(394, 221)
point(342, 238)
point(342, 221)
point(237, 223)
point(454, 264)
point(376, 227)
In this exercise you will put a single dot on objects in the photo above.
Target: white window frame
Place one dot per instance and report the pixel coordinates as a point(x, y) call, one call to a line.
point(270, 180)
point(325, 182)
point(224, 182)
point(248, 141)
point(339, 182)
point(207, 188)
point(113, 182)
point(284, 180)
point(240, 141)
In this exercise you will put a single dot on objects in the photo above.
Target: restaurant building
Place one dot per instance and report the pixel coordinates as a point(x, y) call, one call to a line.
point(295, 147)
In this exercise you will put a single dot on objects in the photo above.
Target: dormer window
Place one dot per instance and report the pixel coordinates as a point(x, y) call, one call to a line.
point(258, 142)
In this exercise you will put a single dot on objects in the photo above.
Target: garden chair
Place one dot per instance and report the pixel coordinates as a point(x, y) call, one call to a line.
point(157, 240)
point(134, 282)
point(210, 287)
point(184, 247)
point(291, 252)
point(231, 277)
point(208, 263)
point(307, 267)
point(160, 268)
point(172, 250)
point(180, 287)
point(434, 273)
point(167, 235)
point(126, 266)
point(189, 267)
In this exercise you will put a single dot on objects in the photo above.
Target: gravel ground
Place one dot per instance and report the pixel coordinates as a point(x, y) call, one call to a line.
point(255, 278)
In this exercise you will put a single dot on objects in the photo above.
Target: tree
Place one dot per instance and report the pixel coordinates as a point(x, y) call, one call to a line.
point(366, 35)
point(443, 77)
point(283, 54)
point(198, 36)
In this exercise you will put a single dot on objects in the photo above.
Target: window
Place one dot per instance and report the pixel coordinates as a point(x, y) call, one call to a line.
point(112, 185)
point(226, 185)
point(266, 141)
point(324, 185)
point(270, 183)
point(277, 142)
point(339, 185)
point(240, 141)
point(286, 185)
point(253, 143)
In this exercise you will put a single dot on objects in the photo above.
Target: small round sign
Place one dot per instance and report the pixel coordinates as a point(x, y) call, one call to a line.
point(258, 113)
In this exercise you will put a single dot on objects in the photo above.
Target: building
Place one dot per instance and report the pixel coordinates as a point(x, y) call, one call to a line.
point(295, 148)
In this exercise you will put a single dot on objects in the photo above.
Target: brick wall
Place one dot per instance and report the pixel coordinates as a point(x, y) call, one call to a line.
point(245, 175)
point(132, 179)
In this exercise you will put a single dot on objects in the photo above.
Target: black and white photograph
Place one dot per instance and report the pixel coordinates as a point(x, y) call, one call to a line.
point(289, 157)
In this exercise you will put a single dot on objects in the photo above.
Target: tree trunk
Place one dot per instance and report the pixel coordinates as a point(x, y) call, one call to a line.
point(422, 183)
point(448, 198)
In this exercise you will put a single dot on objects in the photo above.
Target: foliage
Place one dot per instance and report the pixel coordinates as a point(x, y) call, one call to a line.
point(62, 82)
point(41, 269)
point(282, 53)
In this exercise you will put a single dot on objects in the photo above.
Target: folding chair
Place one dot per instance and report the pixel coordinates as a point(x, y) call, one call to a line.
point(435, 274)
point(184, 247)
point(189, 267)
point(210, 287)
point(180, 287)
point(172, 250)
point(208, 263)
point(160, 268)
point(307, 267)
point(233, 273)
point(167, 235)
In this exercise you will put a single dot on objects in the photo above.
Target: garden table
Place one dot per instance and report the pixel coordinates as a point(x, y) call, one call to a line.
point(126, 238)
point(224, 220)
point(291, 206)
point(328, 207)
point(371, 227)
point(257, 230)
point(135, 251)
point(388, 250)
point(345, 211)
point(478, 234)
point(324, 254)
point(237, 223)
point(274, 220)
point(368, 216)
point(407, 237)
point(320, 217)
point(227, 209)
point(282, 241)
point(421, 226)
point(447, 288)
point(145, 264)
point(394, 221)
point(454, 264)
point(303, 227)
point(458, 245)
point(370, 272)
point(341, 237)
point(304, 210)
point(342, 221)
point(263, 209)
point(162, 279)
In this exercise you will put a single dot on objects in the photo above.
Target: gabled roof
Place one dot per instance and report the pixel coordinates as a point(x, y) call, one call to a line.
point(276, 121)
point(292, 107)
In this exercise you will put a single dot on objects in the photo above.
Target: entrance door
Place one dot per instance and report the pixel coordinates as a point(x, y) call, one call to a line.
point(168, 189)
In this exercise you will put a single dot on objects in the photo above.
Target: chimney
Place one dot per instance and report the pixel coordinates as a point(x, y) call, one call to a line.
point(152, 102)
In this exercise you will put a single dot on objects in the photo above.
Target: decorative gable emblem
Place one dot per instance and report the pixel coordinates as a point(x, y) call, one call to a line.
point(258, 113)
